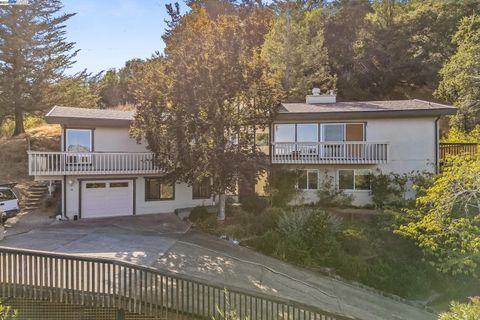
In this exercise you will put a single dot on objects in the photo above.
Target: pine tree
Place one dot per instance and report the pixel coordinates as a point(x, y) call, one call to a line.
point(34, 53)
point(295, 49)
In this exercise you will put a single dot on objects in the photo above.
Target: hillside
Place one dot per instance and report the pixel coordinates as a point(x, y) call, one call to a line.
point(13, 153)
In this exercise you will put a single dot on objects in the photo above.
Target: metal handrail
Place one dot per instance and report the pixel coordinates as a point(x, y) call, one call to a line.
point(101, 282)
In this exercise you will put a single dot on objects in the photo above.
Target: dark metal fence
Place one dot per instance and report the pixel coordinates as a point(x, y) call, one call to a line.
point(453, 149)
point(97, 282)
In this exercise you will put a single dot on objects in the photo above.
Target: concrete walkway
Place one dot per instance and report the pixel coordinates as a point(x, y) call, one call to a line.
point(165, 242)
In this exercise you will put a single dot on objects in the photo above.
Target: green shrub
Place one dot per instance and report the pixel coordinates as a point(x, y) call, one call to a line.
point(463, 311)
point(386, 188)
point(281, 186)
point(266, 221)
point(198, 213)
point(267, 243)
point(349, 266)
point(294, 249)
point(7, 312)
point(294, 221)
point(389, 190)
point(319, 232)
point(254, 204)
point(353, 239)
point(329, 196)
point(308, 235)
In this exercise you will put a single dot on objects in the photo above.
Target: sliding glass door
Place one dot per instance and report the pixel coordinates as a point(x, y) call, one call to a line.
point(324, 140)
point(307, 138)
point(284, 137)
point(334, 136)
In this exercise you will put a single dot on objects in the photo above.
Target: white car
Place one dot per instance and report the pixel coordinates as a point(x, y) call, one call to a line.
point(9, 206)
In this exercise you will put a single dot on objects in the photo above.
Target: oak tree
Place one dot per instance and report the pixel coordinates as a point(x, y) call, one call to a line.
point(199, 105)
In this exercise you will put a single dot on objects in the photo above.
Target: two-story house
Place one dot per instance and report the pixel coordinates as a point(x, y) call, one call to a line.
point(350, 140)
point(104, 172)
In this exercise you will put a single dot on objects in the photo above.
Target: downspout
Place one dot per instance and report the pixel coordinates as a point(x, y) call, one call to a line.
point(437, 146)
point(64, 184)
point(64, 197)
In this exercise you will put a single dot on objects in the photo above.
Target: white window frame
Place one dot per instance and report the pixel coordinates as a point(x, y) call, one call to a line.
point(294, 132)
point(79, 159)
point(307, 171)
point(322, 133)
point(322, 130)
point(72, 129)
point(354, 177)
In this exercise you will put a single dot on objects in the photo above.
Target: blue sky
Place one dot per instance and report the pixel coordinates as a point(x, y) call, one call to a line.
point(110, 32)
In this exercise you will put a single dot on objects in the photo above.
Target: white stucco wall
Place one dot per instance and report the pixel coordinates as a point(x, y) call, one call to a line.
point(113, 139)
point(183, 196)
point(412, 142)
point(412, 148)
point(116, 140)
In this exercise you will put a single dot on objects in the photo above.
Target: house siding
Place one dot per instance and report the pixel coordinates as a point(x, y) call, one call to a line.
point(412, 148)
point(183, 196)
point(116, 140)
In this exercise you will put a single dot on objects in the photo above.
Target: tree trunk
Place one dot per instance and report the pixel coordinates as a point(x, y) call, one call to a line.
point(221, 207)
point(19, 128)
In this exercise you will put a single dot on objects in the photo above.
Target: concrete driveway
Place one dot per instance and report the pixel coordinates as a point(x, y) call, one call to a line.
point(165, 242)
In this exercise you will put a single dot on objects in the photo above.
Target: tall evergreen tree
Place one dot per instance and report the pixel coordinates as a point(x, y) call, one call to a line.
point(344, 20)
point(79, 90)
point(461, 74)
point(295, 49)
point(34, 53)
point(402, 46)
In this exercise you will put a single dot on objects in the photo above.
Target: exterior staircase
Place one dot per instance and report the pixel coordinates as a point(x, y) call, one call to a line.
point(35, 194)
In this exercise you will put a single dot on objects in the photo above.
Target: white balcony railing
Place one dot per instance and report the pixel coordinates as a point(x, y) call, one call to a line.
point(330, 152)
point(77, 163)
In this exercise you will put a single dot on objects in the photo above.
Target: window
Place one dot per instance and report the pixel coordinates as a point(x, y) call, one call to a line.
point(339, 132)
point(159, 189)
point(78, 140)
point(354, 179)
point(6, 195)
point(307, 132)
point(362, 179)
point(119, 185)
point(96, 185)
point(308, 180)
point(201, 190)
point(285, 133)
point(333, 132)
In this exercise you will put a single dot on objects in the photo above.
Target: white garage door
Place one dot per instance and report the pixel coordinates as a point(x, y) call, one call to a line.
point(107, 198)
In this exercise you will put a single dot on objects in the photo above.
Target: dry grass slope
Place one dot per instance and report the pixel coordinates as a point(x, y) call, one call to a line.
point(13, 152)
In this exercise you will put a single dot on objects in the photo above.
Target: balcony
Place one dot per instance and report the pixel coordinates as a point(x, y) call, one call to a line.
point(329, 152)
point(90, 163)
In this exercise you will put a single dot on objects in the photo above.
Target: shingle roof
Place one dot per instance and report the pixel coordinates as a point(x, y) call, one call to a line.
point(59, 111)
point(287, 111)
point(84, 116)
point(365, 109)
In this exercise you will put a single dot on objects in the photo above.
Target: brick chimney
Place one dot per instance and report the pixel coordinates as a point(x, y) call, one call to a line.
point(317, 97)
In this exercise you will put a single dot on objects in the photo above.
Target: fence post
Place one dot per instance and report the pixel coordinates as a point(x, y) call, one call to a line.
point(120, 314)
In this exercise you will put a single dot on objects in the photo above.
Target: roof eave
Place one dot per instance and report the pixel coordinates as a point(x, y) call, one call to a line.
point(365, 114)
point(88, 122)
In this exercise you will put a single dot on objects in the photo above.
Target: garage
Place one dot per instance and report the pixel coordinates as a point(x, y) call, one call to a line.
point(107, 198)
